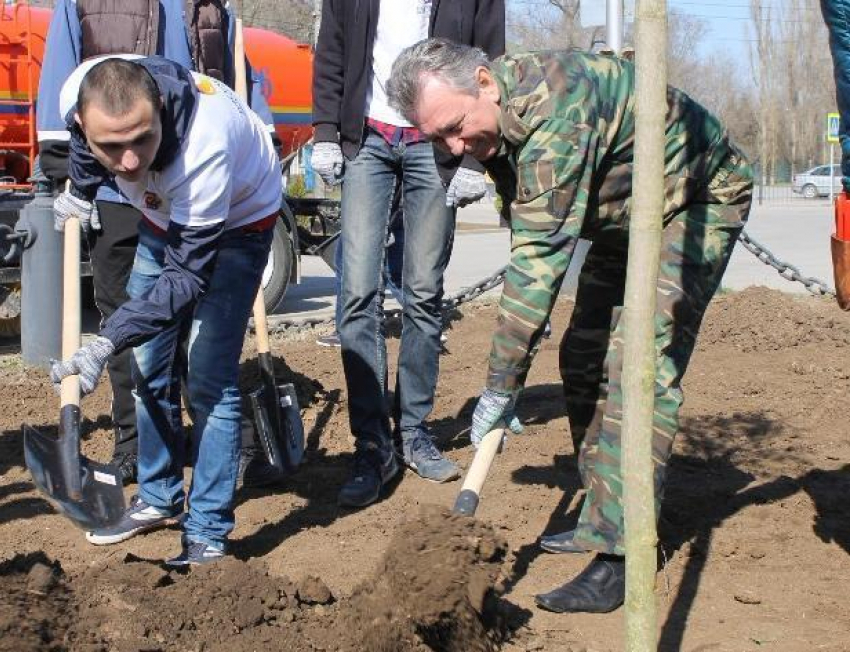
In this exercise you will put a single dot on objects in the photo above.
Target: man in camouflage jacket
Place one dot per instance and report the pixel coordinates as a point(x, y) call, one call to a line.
point(556, 132)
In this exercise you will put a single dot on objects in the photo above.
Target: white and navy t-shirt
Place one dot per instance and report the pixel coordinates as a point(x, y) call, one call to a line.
point(216, 171)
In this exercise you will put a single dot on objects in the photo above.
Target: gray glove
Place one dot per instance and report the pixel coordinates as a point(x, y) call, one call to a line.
point(327, 161)
point(492, 408)
point(466, 187)
point(66, 205)
point(88, 362)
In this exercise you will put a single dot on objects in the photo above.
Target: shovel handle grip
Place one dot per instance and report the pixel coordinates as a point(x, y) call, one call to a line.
point(240, 74)
point(261, 326)
point(241, 86)
point(468, 498)
point(70, 388)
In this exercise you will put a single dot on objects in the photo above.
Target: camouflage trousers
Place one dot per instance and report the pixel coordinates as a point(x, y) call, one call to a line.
point(697, 242)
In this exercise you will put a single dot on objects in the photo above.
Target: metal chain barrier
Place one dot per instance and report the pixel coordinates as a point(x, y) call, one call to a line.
point(786, 270)
point(280, 323)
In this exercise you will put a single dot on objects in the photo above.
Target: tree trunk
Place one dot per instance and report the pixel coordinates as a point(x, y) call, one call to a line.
point(639, 366)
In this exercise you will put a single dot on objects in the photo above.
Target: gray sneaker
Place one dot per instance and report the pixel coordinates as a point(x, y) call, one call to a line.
point(331, 341)
point(139, 517)
point(421, 455)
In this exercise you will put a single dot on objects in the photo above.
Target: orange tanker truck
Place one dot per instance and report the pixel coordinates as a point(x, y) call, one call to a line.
point(284, 69)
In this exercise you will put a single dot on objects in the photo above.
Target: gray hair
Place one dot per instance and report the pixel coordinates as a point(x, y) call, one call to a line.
point(452, 63)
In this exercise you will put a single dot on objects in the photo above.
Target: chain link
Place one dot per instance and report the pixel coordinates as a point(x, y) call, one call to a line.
point(283, 324)
point(280, 323)
point(786, 270)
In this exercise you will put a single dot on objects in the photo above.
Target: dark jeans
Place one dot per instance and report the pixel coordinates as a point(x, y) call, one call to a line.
point(113, 250)
point(367, 193)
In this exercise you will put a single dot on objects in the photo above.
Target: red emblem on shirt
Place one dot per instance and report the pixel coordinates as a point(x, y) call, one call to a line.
point(152, 201)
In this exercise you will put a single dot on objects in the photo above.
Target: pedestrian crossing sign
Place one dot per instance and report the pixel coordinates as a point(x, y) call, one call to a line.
point(832, 124)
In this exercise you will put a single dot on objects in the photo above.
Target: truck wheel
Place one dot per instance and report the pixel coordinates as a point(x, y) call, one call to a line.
point(810, 191)
point(277, 272)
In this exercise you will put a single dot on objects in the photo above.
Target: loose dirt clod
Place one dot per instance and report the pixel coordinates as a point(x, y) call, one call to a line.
point(312, 590)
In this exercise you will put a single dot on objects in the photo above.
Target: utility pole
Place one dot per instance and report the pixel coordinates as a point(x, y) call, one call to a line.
point(639, 364)
point(614, 25)
point(317, 20)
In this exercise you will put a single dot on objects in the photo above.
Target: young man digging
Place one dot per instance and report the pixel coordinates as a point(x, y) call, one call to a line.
point(201, 167)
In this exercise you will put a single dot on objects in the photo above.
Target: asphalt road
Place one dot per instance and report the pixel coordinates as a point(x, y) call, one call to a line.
point(796, 231)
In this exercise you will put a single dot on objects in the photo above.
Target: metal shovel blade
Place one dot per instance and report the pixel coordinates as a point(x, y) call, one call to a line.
point(87, 492)
point(292, 426)
point(265, 429)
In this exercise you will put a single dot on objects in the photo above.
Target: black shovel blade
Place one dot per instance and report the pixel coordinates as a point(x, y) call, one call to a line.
point(86, 492)
point(265, 429)
point(291, 425)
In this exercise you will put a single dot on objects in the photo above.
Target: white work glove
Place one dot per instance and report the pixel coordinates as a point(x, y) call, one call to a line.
point(89, 362)
point(492, 408)
point(327, 161)
point(66, 205)
point(466, 187)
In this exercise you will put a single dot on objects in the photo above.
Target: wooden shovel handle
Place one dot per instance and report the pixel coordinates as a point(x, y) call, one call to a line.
point(70, 390)
point(483, 460)
point(467, 500)
point(260, 323)
point(261, 326)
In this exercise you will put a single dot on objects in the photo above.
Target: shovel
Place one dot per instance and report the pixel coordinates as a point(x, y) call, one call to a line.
point(277, 418)
point(87, 492)
point(467, 500)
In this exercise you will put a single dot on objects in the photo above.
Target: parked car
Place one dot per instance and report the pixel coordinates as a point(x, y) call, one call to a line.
point(815, 182)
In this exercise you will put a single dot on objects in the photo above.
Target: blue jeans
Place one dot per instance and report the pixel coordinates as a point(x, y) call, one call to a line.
point(215, 329)
point(367, 193)
point(392, 267)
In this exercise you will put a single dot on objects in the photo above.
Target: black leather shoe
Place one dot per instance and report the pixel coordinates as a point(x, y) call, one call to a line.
point(599, 588)
point(562, 542)
point(373, 470)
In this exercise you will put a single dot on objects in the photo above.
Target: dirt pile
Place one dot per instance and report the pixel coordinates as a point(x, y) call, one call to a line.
point(434, 588)
point(761, 320)
point(432, 591)
point(130, 604)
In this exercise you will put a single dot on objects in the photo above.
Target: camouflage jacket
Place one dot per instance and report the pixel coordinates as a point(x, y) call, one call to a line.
point(564, 170)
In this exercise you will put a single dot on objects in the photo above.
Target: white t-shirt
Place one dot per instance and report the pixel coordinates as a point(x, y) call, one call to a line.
point(401, 23)
point(226, 169)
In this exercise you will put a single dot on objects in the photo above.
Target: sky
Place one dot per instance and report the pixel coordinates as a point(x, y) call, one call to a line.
point(728, 23)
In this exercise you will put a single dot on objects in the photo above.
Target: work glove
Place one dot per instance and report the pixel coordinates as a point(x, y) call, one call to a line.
point(492, 408)
point(327, 161)
point(89, 362)
point(67, 205)
point(466, 187)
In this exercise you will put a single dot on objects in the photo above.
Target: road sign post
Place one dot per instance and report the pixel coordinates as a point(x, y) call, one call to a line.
point(833, 127)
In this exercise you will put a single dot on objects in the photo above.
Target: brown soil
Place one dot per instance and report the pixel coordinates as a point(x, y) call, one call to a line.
point(755, 530)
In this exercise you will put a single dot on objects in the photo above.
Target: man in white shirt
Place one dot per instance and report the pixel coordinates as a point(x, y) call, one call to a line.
point(200, 166)
point(364, 143)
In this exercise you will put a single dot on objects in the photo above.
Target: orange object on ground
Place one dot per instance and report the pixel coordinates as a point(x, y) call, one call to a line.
point(842, 216)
